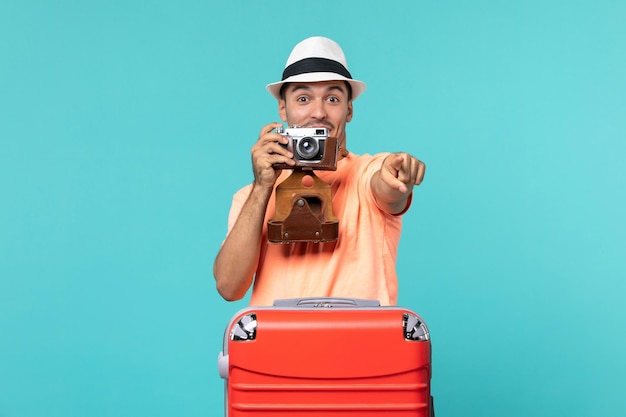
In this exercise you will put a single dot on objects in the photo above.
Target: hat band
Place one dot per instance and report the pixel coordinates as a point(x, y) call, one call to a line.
point(308, 65)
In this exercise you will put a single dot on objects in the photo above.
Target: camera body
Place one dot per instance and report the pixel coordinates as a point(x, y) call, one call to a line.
point(307, 143)
point(312, 148)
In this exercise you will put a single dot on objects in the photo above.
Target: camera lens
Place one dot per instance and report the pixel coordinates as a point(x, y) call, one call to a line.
point(307, 148)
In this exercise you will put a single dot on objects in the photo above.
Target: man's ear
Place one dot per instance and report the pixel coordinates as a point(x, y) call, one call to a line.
point(282, 110)
point(350, 112)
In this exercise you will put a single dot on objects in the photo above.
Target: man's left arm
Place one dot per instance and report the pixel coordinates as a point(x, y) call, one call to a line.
point(393, 183)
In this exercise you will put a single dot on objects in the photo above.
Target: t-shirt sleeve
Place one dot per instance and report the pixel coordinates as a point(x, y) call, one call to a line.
point(239, 200)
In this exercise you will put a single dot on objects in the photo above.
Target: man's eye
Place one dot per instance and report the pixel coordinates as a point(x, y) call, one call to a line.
point(302, 99)
point(333, 99)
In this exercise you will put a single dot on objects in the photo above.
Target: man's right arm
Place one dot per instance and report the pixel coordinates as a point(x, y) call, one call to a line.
point(238, 258)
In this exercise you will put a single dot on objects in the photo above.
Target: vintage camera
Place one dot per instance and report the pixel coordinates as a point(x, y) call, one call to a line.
point(312, 148)
point(304, 210)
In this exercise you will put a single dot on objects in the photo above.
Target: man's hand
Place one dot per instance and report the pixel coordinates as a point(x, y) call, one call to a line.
point(402, 171)
point(266, 152)
point(393, 184)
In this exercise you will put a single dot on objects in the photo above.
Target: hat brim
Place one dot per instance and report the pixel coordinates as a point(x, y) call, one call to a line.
point(358, 87)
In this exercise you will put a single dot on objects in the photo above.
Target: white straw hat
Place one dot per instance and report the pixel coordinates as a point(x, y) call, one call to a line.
point(316, 59)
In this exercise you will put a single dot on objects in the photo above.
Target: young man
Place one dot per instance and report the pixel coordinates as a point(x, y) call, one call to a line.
point(370, 193)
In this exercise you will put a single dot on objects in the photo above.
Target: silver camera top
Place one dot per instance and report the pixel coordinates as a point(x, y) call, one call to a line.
point(299, 132)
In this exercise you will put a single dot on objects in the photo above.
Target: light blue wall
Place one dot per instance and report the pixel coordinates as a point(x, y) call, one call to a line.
point(125, 127)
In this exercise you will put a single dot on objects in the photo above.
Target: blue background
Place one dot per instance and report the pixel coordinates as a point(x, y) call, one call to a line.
point(125, 128)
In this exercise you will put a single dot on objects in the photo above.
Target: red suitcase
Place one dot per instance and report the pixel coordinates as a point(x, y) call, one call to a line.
point(327, 357)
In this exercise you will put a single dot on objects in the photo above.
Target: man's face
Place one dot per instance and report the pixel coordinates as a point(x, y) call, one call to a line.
point(319, 104)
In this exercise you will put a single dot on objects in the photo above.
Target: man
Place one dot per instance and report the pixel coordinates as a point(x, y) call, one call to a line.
point(370, 193)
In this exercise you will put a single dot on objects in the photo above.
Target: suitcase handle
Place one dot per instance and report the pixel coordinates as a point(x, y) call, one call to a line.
point(326, 302)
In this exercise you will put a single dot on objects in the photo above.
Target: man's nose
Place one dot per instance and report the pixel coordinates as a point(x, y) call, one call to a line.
point(319, 109)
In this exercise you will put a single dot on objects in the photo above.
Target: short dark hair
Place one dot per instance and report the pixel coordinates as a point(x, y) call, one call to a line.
point(284, 87)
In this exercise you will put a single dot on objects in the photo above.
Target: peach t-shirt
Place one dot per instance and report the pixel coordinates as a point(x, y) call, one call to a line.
point(360, 264)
